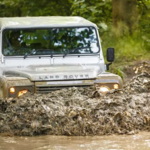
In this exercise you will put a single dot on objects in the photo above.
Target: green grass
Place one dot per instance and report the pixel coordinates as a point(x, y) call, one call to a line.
point(128, 49)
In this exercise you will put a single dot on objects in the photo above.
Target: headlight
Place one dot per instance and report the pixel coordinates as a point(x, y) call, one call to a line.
point(104, 89)
point(12, 90)
point(116, 86)
point(22, 92)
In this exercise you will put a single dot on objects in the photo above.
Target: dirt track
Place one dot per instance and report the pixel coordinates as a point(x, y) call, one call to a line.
point(81, 111)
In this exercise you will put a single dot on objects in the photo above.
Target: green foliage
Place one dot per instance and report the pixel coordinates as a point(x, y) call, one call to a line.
point(97, 11)
point(144, 23)
point(127, 48)
point(11, 8)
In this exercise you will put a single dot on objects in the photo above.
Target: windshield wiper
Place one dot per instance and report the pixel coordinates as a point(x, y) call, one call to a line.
point(74, 50)
point(42, 51)
point(27, 54)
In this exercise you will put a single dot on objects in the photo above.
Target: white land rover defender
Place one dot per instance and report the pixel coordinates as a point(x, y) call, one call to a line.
point(40, 54)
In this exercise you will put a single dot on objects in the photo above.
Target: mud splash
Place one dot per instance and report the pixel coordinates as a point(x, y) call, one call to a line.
point(80, 111)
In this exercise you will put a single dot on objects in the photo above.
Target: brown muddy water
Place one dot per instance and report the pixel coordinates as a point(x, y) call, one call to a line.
point(139, 141)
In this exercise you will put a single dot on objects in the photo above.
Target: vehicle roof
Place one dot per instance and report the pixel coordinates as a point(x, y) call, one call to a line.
point(50, 21)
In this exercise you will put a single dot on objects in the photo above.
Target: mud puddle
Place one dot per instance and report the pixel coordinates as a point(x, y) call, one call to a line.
point(80, 111)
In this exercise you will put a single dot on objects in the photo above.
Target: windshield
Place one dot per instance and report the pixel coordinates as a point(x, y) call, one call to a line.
point(51, 41)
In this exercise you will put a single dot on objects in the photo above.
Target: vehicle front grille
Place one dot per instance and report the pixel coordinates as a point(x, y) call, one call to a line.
point(47, 89)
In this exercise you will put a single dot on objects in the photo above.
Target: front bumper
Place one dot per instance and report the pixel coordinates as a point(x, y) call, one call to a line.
point(104, 81)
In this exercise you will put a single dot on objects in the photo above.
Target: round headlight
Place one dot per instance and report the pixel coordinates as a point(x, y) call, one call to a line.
point(104, 89)
point(12, 90)
point(116, 86)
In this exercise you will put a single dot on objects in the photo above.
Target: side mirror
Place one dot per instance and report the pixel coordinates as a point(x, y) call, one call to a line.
point(110, 57)
point(110, 54)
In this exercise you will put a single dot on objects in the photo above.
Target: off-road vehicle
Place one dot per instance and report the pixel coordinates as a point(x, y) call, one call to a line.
point(41, 54)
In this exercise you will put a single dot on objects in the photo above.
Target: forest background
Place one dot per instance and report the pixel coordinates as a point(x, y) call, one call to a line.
point(123, 24)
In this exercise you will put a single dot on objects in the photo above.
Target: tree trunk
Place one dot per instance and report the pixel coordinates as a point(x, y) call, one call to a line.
point(125, 12)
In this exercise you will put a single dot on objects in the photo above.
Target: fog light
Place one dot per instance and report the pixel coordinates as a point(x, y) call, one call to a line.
point(104, 89)
point(12, 90)
point(22, 92)
point(116, 86)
